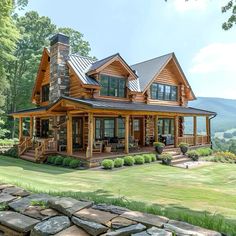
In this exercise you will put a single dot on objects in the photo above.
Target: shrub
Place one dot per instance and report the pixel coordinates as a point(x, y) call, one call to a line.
point(118, 162)
point(226, 157)
point(51, 159)
point(66, 161)
point(128, 161)
point(204, 152)
point(193, 154)
point(138, 160)
point(108, 164)
point(147, 158)
point(58, 160)
point(166, 158)
point(158, 144)
point(12, 152)
point(74, 164)
point(153, 156)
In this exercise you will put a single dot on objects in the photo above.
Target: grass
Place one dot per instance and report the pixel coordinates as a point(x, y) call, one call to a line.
point(204, 196)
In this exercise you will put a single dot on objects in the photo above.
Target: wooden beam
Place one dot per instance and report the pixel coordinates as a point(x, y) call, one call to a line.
point(176, 131)
point(208, 129)
point(156, 128)
point(69, 146)
point(31, 126)
point(20, 128)
point(195, 130)
point(127, 134)
point(89, 151)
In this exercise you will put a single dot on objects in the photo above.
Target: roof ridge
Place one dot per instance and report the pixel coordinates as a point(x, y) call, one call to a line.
point(113, 55)
point(171, 53)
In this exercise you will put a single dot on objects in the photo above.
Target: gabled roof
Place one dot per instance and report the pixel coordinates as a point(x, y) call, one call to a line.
point(81, 65)
point(148, 69)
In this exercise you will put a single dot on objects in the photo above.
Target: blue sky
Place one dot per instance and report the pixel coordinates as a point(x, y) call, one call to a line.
point(144, 29)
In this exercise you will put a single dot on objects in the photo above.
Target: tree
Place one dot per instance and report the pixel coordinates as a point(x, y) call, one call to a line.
point(77, 43)
point(229, 7)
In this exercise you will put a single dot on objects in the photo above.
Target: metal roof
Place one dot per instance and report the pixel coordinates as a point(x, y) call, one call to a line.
point(134, 85)
point(80, 66)
point(148, 69)
point(135, 106)
point(35, 109)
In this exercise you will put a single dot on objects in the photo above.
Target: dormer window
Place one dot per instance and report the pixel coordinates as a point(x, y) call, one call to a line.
point(112, 86)
point(45, 93)
point(164, 92)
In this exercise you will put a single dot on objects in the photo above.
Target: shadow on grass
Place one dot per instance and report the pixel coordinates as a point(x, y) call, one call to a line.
point(26, 165)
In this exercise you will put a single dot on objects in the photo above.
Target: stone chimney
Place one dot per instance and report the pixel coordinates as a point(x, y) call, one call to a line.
point(59, 71)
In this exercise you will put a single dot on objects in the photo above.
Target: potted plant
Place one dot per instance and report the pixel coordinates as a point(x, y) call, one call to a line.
point(183, 147)
point(159, 147)
point(166, 159)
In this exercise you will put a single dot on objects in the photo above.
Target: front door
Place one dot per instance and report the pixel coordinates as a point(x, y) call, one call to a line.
point(77, 133)
point(44, 128)
point(137, 129)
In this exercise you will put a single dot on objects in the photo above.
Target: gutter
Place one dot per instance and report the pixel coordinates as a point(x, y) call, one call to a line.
point(210, 127)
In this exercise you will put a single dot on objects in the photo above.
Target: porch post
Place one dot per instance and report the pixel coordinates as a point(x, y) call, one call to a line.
point(69, 147)
point(20, 128)
point(156, 128)
point(208, 129)
point(127, 134)
point(195, 130)
point(176, 130)
point(31, 126)
point(89, 151)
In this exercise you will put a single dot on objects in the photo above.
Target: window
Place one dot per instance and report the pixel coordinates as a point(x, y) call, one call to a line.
point(45, 93)
point(164, 92)
point(109, 128)
point(166, 126)
point(121, 128)
point(98, 126)
point(112, 86)
point(136, 125)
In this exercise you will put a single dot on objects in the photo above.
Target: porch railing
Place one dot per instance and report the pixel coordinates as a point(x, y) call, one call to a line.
point(24, 145)
point(200, 140)
point(44, 146)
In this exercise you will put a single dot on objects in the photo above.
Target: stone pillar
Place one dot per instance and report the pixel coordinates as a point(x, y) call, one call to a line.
point(59, 71)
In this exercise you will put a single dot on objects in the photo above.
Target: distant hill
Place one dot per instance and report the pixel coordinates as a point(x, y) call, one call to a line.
point(225, 109)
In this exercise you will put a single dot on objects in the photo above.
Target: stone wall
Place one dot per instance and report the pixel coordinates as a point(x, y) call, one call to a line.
point(41, 215)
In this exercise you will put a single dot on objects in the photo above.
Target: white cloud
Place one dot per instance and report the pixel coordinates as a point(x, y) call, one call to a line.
point(216, 57)
point(190, 5)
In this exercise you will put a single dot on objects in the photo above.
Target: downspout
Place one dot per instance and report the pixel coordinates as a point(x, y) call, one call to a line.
point(210, 127)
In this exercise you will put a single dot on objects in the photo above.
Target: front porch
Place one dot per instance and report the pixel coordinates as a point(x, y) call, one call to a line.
point(95, 136)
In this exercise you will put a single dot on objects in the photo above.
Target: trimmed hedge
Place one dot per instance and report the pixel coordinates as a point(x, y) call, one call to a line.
point(147, 158)
point(58, 160)
point(139, 160)
point(118, 162)
point(108, 164)
point(74, 163)
point(128, 161)
point(153, 156)
point(51, 159)
point(66, 161)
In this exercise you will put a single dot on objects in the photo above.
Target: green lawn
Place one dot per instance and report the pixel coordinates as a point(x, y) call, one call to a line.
point(207, 188)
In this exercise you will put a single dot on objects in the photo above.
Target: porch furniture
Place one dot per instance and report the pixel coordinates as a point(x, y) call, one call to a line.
point(167, 139)
point(62, 146)
point(97, 147)
point(133, 143)
point(107, 149)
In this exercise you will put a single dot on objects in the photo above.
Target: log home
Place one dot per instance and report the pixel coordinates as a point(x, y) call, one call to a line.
point(85, 107)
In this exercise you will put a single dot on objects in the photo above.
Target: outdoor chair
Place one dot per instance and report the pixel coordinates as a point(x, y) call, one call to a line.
point(97, 147)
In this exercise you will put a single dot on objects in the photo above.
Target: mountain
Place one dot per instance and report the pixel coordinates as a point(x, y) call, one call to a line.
point(225, 109)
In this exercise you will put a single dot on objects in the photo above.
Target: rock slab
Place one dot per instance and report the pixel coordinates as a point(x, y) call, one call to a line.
point(179, 227)
point(72, 231)
point(52, 226)
point(17, 221)
point(120, 222)
point(110, 208)
point(154, 231)
point(67, 205)
point(6, 198)
point(127, 230)
point(90, 227)
point(97, 216)
point(146, 219)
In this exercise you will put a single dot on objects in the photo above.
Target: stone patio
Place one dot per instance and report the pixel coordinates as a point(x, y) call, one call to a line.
point(31, 214)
